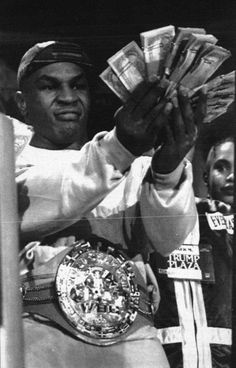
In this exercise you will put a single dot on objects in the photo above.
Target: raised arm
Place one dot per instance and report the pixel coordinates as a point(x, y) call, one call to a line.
point(55, 195)
point(167, 201)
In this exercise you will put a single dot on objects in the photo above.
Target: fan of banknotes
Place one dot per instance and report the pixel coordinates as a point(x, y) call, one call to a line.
point(186, 56)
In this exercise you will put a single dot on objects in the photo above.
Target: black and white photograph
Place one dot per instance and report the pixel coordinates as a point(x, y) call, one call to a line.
point(117, 144)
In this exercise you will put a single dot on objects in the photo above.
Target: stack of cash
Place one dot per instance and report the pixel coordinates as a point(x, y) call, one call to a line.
point(186, 56)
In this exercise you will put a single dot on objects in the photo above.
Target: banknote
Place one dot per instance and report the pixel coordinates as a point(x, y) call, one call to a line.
point(129, 65)
point(222, 83)
point(114, 83)
point(221, 92)
point(213, 102)
point(156, 45)
point(217, 108)
point(205, 66)
point(180, 40)
point(188, 55)
point(220, 95)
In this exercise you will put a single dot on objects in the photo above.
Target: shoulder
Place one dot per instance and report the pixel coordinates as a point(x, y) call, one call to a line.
point(22, 135)
point(210, 205)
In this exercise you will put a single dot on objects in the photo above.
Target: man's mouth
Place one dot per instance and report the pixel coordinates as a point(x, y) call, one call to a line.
point(67, 115)
point(229, 191)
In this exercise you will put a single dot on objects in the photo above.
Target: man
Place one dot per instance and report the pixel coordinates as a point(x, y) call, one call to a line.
point(194, 318)
point(150, 200)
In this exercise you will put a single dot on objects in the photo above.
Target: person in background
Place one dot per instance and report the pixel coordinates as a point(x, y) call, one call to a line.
point(195, 312)
point(62, 181)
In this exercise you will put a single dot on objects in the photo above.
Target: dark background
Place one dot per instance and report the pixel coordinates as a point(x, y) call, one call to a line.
point(102, 28)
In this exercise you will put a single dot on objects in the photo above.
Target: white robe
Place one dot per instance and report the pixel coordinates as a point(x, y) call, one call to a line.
point(58, 188)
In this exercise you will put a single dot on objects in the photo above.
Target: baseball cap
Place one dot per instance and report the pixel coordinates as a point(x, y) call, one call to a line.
point(49, 52)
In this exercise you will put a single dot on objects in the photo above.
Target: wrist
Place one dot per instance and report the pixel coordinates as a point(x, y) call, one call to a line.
point(170, 179)
point(131, 143)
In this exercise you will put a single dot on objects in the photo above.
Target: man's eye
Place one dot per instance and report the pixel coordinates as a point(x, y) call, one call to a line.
point(79, 86)
point(220, 167)
point(46, 87)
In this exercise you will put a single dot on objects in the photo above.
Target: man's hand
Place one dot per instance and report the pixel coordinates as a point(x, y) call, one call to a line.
point(139, 121)
point(180, 131)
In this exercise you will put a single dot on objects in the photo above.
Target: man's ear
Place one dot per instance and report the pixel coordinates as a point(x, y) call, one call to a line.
point(20, 100)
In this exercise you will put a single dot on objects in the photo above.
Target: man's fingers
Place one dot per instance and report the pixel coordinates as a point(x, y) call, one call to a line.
point(169, 134)
point(157, 127)
point(149, 101)
point(201, 108)
point(145, 96)
point(177, 123)
point(153, 114)
point(187, 113)
point(137, 95)
point(158, 118)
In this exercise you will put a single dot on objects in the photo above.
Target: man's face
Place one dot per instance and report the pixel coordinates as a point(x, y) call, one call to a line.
point(57, 104)
point(221, 173)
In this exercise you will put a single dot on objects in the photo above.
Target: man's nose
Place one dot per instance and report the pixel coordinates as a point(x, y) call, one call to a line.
point(230, 176)
point(67, 95)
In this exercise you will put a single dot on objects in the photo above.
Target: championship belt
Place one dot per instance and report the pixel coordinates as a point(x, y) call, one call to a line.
point(94, 293)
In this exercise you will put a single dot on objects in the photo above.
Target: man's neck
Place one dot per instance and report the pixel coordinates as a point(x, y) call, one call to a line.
point(41, 142)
